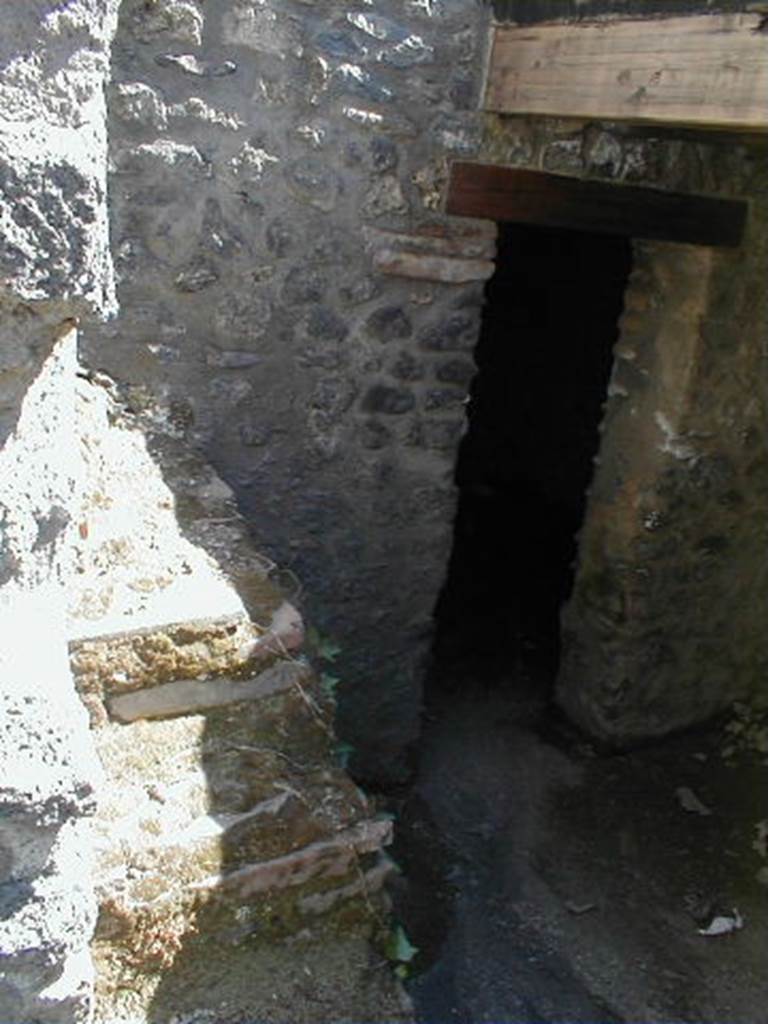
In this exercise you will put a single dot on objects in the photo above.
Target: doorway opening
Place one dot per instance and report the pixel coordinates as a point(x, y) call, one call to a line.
point(544, 359)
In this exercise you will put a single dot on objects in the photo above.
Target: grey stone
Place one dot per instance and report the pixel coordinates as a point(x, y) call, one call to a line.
point(243, 314)
point(464, 45)
point(260, 28)
point(373, 435)
point(169, 19)
point(138, 103)
point(602, 152)
point(12, 1003)
point(385, 196)
point(444, 398)
point(303, 284)
point(389, 323)
point(52, 156)
point(254, 434)
point(563, 155)
point(407, 367)
point(433, 501)
point(165, 158)
point(457, 333)
point(232, 359)
point(199, 274)
point(340, 43)
point(50, 526)
point(323, 356)
point(280, 237)
point(404, 55)
point(463, 92)
point(334, 395)
point(326, 325)
point(441, 435)
point(377, 26)
point(196, 110)
point(189, 64)
point(403, 48)
point(389, 400)
point(358, 291)
point(384, 155)
point(332, 247)
point(312, 182)
point(454, 133)
point(217, 234)
point(388, 121)
point(456, 371)
point(352, 80)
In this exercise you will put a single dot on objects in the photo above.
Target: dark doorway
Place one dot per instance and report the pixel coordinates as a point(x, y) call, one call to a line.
point(544, 359)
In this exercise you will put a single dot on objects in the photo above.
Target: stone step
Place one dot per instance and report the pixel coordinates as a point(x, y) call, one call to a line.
point(109, 667)
point(258, 902)
point(141, 849)
point(192, 696)
point(226, 786)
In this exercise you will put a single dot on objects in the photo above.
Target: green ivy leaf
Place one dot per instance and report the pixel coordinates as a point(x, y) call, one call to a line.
point(399, 947)
point(329, 683)
point(343, 753)
point(327, 649)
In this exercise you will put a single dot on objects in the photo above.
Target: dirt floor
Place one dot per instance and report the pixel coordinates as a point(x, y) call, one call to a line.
point(544, 881)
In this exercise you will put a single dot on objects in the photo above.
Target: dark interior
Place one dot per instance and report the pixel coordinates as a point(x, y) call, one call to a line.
point(544, 358)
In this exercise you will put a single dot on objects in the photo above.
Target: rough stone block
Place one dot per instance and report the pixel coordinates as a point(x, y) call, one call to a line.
point(179, 20)
point(385, 197)
point(261, 28)
point(53, 154)
point(189, 64)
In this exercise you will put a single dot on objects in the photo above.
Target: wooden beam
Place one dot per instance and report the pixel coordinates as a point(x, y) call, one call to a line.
point(534, 197)
point(706, 70)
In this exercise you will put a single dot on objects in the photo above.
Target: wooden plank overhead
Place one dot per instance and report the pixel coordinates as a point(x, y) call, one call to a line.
point(706, 70)
point(535, 197)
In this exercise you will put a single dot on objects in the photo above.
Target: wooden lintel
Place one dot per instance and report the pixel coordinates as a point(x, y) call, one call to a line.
point(535, 197)
point(707, 70)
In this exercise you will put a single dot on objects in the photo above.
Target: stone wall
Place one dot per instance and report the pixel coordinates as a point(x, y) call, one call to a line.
point(666, 623)
point(203, 807)
point(54, 266)
point(296, 306)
